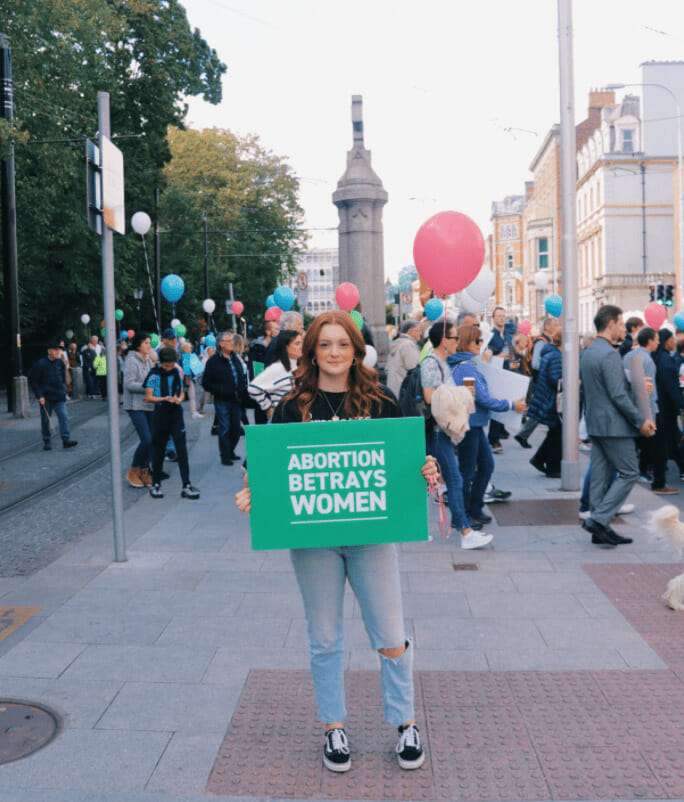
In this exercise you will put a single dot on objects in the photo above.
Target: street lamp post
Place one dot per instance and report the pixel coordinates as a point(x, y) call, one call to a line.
point(680, 171)
point(570, 468)
point(138, 295)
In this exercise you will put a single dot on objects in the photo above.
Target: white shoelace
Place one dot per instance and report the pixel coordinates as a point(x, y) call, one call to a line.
point(409, 737)
point(337, 740)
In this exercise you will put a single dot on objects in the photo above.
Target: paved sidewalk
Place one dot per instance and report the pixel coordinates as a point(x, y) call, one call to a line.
point(537, 668)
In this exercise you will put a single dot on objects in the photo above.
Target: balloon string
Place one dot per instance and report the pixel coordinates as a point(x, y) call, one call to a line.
point(149, 279)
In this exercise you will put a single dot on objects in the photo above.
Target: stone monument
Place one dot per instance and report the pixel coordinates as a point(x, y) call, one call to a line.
point(359, 198)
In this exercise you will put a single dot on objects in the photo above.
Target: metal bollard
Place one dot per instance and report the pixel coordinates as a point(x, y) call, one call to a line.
point(77, 384)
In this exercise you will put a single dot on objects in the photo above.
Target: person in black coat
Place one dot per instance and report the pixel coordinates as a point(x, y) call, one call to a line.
point(543, 408)
point(224, 377)
point(633, 326)
point(670, 404)
point(48, 382)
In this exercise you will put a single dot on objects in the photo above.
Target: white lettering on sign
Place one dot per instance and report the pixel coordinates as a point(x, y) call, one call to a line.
point(349, 481)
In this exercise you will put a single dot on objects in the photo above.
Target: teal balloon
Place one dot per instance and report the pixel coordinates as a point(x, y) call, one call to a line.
point(678, 320)
point(123, 335)
point(181, 331)
point(118, 314)
point(210, 341)
point(172, 288)
point(154, 340)
point(270, 301)
point(434, 309)
point(553, 305)
point(284, 298)
point(357, 317)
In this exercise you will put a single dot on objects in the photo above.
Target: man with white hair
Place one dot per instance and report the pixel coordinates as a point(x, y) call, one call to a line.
point(404, 354)
point(289, 321)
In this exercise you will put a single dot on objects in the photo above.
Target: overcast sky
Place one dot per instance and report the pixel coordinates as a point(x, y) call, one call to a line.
point(441, 82)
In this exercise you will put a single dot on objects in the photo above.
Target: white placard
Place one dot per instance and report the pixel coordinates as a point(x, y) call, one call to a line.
point(506, 385)
point(113, 211)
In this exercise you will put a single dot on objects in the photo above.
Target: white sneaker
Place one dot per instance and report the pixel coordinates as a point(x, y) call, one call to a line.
point(197, 415)
point(626, 509)
point(584, 515)
point(476, 540)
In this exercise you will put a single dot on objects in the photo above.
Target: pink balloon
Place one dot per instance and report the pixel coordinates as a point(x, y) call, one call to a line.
point(238, 307)
point(347, 296)
point(273, 313)
point(525, 327)
point(655, 315)
point(131, 334)
point(448, 252)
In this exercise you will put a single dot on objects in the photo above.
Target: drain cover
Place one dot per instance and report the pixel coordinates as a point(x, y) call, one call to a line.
point(465, 566)
point(24, 728)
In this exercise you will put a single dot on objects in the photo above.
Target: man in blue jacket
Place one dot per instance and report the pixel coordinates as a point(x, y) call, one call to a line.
point(48, 382)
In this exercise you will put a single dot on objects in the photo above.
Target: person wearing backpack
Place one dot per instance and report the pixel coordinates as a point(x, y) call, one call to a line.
point(434, 372)
point(404, 354)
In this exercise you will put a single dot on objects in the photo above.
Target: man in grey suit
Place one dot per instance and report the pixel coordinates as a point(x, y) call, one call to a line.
point(613, 422)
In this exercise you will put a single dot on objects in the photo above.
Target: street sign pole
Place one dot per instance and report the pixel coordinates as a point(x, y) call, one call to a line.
point(231, 296)
point(110, 340)
point(570, 468)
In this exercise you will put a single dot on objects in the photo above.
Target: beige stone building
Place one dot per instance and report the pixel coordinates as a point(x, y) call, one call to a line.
point(506, 252)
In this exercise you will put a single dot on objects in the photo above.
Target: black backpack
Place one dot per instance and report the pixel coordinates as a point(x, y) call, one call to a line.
point(411, 400)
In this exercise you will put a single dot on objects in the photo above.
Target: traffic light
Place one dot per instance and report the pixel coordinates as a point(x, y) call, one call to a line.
point(652, 289)
point(660, 295)
point(669, 295)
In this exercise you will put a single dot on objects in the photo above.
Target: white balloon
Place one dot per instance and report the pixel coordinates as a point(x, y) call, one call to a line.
point(208, 305)
point(175, 322)
point(140, 223)
point(469, 305)
point(541, 279)
point(482, 286)
point(85, 319)
point(181, 340)
point(69, 333)
point(371, 358)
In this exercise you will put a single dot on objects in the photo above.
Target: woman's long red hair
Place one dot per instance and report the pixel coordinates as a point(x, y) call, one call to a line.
point(364, 392)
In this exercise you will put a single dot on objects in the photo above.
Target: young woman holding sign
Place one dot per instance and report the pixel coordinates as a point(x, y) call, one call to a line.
point(332, 383)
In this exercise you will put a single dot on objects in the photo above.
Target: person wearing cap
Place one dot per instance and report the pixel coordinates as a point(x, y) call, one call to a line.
point(48, 382)
point(404, 354)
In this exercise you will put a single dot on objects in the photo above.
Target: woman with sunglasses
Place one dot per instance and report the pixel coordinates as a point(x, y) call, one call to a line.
point(474, 452)
point(331, 384)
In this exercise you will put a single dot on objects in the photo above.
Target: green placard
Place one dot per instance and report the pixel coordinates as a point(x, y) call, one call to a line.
point(337, 483)
point(258, 368)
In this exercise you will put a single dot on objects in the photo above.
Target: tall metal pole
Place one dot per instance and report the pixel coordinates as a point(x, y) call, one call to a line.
point(157, 264)
point(9, 232)
point(570, 469)
point(231, 295)
point(680, 287)
point(109, 295)
point(206, 257)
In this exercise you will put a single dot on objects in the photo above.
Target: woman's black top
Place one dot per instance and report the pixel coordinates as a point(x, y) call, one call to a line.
point(325, 405)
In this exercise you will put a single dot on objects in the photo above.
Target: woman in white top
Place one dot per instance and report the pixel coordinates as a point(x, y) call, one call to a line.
point(275, 381)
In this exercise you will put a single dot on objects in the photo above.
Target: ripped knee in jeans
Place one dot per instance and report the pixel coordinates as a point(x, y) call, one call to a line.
point(394, 653)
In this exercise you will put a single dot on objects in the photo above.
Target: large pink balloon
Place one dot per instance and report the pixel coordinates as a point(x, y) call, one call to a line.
point(347, 296)
point(238, 307)
point(273, 313)
point(448, 252)
point(525, 327)
point(655, 315)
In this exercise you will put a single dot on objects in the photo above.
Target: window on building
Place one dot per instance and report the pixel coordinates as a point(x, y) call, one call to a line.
point(509, 261)
point(510, 296)
point(542, 253)
point(628, 140)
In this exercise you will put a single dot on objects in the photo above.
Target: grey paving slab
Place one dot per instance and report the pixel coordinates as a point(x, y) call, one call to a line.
point(172, 707)
point(10, 584)
point(641, 656)
point(79, 703)
point(478, 635)
point(457, 582)
point(574, 581)
point(186, 764)
point(48, 599)
point(525, 605)
point(569, 634)
point(89, 760)
point(141, 663)
point(215, 561)
point(230, 664)
point(63, 576)
point(436, 605)
point(224, 630)
point(249, 582)
point(545, 659)
point(28, 659)
point(121, 576)
point(73, 626)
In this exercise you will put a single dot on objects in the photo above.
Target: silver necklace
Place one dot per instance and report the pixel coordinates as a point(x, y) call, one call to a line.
point(335, 416)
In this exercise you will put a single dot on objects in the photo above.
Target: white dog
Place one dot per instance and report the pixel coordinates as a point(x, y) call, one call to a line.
point(666, 526)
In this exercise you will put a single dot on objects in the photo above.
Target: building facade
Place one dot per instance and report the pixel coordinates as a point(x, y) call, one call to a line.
point(317, 277)
point(506, 253)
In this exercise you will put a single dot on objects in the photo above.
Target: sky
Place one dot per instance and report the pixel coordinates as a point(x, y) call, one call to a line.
point(458, 94)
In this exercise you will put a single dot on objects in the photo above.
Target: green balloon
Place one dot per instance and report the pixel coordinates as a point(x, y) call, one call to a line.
point(154, 340)
point(103, 332)
point(357, 317)
point(181, 331)
point(118, 314)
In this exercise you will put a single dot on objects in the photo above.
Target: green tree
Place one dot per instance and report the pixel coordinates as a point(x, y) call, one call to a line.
point(249, 198)
point(146, 55)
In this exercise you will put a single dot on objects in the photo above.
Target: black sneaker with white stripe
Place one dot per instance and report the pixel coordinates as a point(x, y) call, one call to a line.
point(336, 756)
point(410, 753)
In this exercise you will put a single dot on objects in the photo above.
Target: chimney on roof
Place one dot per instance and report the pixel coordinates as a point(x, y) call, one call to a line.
point(529, 190)
point(599, 98)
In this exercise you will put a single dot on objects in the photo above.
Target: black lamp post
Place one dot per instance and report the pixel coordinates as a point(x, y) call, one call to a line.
point(138, 295)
